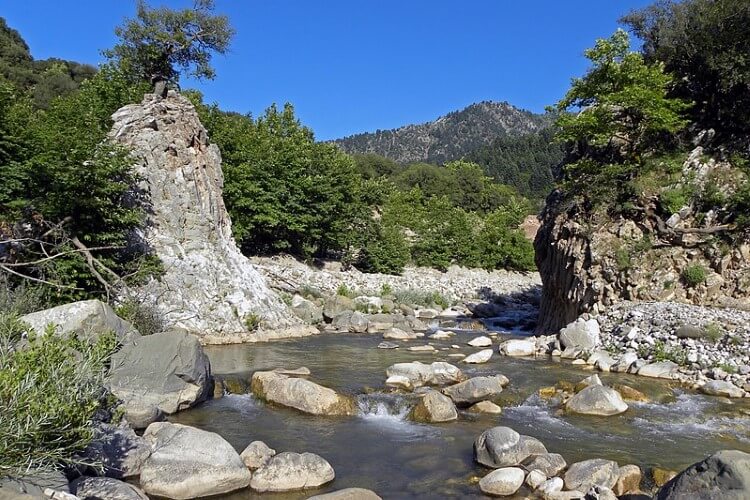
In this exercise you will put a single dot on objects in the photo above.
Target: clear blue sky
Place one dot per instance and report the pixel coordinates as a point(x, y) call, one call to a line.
point(359, 65)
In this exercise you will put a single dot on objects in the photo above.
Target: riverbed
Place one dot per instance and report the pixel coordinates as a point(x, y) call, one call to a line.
point(380, 449)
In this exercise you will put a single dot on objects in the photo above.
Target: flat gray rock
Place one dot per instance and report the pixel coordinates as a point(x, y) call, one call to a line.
point(105, 488)
point(581, 476)
point(292, 471)
point(434, 407)
point(597, 400)
point(476, 389)
point(301, 394)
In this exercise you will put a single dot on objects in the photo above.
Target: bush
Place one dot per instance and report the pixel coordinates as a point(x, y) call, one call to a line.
point(144, 317)
point(51, 390)
point(413, 296)
point(385, 251)
point(253, 321)
point(694, 275)
point(713, 332)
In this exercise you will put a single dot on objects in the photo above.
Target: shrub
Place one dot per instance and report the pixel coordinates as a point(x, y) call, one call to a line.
point(420, 297)
point(144, 317)
point(694, 275)
point(345, 291)
point(672, 200)
point(253, 321)
point(51, 390)
point(386, 251)
point(713, 332)
point(385, 290)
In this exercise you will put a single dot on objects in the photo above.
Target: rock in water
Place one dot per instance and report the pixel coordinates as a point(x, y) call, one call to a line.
point(348, 494)
point(502, 482)
point(168, 370)
point(503, 447)
point(304, 395)
point(724, 475)
point(208, 287)
point(189, 463)
point(581, 476)
point(433, 408)
point(597, 400)
point(292, 471)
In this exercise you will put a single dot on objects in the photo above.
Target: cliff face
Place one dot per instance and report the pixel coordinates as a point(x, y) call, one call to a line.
point(208, 287)
point(588, 262)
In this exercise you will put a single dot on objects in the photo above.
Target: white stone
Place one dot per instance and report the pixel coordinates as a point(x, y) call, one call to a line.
point(502, 482)
point(479, 357)
point(480, 342)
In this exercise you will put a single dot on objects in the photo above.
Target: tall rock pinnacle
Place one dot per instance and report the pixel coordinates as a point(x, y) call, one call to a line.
point(208, 287)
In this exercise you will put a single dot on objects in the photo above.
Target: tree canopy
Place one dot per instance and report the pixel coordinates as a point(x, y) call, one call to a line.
point(160, 42)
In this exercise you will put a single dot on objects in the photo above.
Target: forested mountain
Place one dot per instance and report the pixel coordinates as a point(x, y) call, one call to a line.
point(47, 78)
point(450, 137)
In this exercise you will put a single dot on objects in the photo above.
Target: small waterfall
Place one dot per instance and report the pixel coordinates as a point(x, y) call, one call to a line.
point(384, 406)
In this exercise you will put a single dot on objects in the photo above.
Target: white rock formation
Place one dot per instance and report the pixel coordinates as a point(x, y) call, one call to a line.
point(208, 288)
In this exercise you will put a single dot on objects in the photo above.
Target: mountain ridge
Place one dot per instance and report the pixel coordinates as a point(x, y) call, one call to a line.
point(448, 137)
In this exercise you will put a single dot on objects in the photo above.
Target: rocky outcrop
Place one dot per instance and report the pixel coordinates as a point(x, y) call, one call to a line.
point(208, 287)
point(588, 261)
point(167, 370)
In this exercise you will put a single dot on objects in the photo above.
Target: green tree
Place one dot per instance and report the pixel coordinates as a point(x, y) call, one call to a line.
point(161, 42)
point(705, 44)
point(285, 191)
point(614, 114)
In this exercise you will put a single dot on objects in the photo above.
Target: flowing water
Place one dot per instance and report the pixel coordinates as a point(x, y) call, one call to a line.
point(382, 450)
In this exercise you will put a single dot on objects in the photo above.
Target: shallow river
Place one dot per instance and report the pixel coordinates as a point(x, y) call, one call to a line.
point(381, 450)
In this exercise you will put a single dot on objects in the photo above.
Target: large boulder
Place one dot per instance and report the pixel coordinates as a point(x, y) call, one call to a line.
point(189, 463)
point(476, 389)
point(503, 447)
point(597, 400)
point(419, 374)
point(351, 321)
point(581, 476)
point(88, 318)
point(379, 323)
point(257, 454)
point(292, 471)
point(502, 482)
point(433, 407)
point(722, 388)
point(584, 334)
point(301, 394)
point(96, 488)
point(518, 347)
point(167, 370)
point(208, 287)
point(725, 475)
point(549, 463)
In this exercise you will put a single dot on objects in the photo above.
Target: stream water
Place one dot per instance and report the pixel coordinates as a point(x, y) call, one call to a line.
point(382, 450)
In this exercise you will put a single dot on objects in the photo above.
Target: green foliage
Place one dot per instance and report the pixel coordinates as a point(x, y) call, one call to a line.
point(413, 296)
point(161, 42)
point(624, 111)
point(525, 162)
point(661, 352)
point(345, 291)
point(65, 181)
point(384, 250)
point(693, 275)
point(386, 290)
point(713, 332)
point(284, 191)
point(310, 292)
point(144, 316)
point(672, 200)
point(253, 321)
point(623, 258)
point(51, 389)
point(705, 44)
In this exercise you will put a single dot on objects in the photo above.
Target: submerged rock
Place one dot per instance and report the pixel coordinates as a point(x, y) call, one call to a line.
point(348, 494)
point(289, 471)
point(502, 482)
point(722, 388)
point(301, 394)
point(597, 400)
point(433, 407)
point(167, 370)
point(189, 463)
point(485, 407)
point(476, 389)
point(725, 475)
point(503, 447)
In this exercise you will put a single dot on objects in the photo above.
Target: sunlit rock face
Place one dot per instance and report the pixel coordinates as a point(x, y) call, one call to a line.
point(208, 287)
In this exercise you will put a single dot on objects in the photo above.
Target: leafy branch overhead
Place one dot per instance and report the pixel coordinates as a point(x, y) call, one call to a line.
point(160, 43)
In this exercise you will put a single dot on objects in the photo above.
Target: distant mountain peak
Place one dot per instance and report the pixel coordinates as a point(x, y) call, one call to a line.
point(448, 137)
